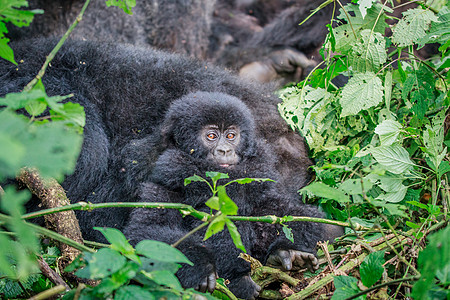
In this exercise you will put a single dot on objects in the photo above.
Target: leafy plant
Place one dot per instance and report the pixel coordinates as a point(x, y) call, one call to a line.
point(145, 272)
point(380, 140)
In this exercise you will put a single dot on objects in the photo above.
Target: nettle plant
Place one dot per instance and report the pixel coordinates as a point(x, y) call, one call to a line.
point(380, 140)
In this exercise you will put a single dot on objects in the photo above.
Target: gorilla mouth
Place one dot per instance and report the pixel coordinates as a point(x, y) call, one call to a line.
point(224, 165)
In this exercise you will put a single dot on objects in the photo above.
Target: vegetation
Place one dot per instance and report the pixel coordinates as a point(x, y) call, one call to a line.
point(382, 169)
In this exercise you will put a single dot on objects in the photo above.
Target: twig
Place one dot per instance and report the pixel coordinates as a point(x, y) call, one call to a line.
point(58, 46)
point(185, 210)
point(50, 234)
point(411, 278)
point(51, 274)
point(49, 293)
point(226, 291)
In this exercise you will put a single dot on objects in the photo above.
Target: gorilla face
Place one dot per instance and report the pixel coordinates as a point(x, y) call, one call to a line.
point(221, 144)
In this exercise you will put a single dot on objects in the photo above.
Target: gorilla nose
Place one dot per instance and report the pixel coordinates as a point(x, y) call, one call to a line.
point(224, 152)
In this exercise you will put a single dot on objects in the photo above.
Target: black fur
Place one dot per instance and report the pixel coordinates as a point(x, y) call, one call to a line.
point(180, 135)
point(127, 93)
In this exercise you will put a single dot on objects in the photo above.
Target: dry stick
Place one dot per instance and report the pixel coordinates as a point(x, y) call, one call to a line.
point(58, 46)
point(51, 274)
point(347, 267)
point(51, 194)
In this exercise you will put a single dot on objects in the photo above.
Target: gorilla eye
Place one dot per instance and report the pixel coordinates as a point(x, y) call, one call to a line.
point(231, 136)
point(211, 136)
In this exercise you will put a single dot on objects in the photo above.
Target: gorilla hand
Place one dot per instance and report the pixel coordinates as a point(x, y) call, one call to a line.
point(202, 275)
point(292, 260)
point(244, 287)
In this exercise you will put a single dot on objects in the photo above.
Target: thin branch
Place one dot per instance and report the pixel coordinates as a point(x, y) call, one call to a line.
point(58, 46)
point(49, 293)
point(51, 234)
point(51, 274)
point(185, 210)
point(411, 278)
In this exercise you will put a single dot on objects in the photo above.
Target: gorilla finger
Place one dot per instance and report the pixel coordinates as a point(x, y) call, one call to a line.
point(212, 282)
point(203, 285)
point(280, 258)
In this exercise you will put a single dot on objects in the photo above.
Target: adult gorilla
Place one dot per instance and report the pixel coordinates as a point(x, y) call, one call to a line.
point(216, 132)
point(126, 92)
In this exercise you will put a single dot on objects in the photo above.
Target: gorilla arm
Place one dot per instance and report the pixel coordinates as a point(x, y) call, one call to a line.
point(166, 225)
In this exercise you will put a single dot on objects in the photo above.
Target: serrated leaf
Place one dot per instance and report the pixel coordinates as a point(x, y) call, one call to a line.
point(364, 90)
point(394, 158)
point(439, 31)
point(388, 130)
point(368, 53)
point(412, 27)
point(320, 189)
point(235, 235)
point(444, 167)
point(364, 5)
point(217, 225)
point(161, 251)
point(372, 268)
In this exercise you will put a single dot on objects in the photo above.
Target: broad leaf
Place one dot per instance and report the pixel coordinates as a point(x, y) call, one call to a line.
point(102, 264)
point(164, 277)
point(133, 292)
point(412, 27)
point(194, 178)
point(364, 90)
point(369, 53)
point(161, 251)
point(125, 5)
point(322, 190)
point(394, 158)
point(217, 225)
point(388, 130)
point(346, 286)
point(227, 206)
point(118, 242)
point(372, 268)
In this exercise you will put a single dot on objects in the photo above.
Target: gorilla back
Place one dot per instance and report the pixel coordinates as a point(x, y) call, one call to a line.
point(126, 91)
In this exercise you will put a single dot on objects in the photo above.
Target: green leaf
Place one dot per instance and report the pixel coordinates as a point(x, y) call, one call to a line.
point(412, 27)
point(227, 206)
point(433, 259)
point(372, 268)
point(364, 5)
point(125, 5)
point(133, 292)
point(355, 186)
point(194, 178)
point(235, 235)
point(439, 31)
point(444, 167)
point(161, 251)
point(394, 197)
point(388, 130)
point(102, 264)
point(346, 286)
point(368, 53)
point(362, 91)
point(288, 233)
point(217, 225)
point(394, 158)
point(215, 176)
point(164, 277)
point(118, 242)
point(320, 189)
point(213, 203)
point(249, 180)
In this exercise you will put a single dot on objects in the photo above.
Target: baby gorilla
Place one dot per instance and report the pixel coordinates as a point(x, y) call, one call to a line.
point(203, 132)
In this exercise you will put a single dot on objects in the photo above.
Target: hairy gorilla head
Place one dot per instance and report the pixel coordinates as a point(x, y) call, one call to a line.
point(224, 131)
point(209, 131)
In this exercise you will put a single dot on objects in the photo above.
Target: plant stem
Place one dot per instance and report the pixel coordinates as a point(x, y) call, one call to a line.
point(50, 234)
point(49, 293)
point(185, 210)
point(411, 278)
point(58, 46)
point(190, 233)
